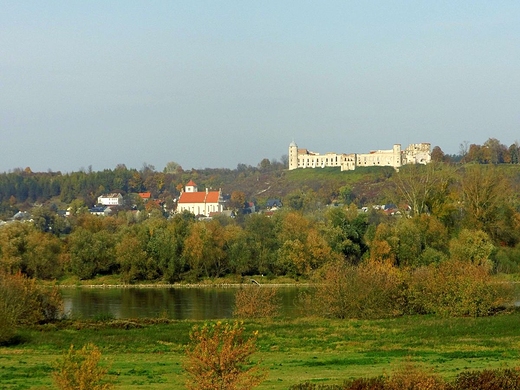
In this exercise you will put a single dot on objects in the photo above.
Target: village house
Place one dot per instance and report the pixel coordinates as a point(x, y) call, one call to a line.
point(114, 199)
point(200, 202)
point(145, 196)
point(100, 210)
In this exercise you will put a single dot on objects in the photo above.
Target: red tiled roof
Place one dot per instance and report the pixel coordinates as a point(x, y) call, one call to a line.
point(191, 183)
point(145, 195)
point(199, 197)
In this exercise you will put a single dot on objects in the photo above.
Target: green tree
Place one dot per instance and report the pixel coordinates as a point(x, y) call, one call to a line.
point(263, 243)
point(134, 262)
point(42, 258)
point(514, 153)
point(473, 246)
point(345, 233)
point(91, 253)
point(172, 167)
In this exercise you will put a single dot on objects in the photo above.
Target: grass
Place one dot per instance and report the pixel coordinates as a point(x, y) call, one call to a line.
point(148, 354)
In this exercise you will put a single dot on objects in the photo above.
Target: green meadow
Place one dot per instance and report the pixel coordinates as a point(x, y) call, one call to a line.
point(148, 354)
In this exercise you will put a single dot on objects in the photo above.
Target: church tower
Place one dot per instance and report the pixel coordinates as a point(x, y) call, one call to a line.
point(293, 156)
point(191, 186)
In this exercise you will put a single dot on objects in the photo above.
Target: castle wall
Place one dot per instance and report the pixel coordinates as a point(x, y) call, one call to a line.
point(395, 157)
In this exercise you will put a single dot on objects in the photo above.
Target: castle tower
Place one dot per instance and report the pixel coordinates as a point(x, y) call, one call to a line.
point(293, 156)
point(398, 158)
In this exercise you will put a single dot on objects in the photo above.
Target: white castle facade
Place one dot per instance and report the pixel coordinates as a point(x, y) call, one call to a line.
point(395, 157)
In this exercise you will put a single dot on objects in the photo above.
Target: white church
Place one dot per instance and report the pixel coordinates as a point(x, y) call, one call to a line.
point(395, 157)
point(200, 202)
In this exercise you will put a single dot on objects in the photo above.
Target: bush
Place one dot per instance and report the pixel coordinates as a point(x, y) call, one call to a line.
point(411, 377)
point(23, 302)
point(81, 370)
point(256, 302)
point(456, 288)
point(312, 386)
point(218, 357)
point(370, 290)
point(365, 384)
point(500, 379)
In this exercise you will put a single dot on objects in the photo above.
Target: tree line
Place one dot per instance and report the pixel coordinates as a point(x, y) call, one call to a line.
point(441, 212)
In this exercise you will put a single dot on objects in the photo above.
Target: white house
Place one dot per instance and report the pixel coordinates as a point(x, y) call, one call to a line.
point(114, 199)
point(200, 202)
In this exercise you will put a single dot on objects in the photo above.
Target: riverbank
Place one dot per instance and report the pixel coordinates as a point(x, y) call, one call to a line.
point(113, 281)
point(149, 353)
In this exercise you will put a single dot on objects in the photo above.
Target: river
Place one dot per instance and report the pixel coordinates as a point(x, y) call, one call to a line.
point(180, 303)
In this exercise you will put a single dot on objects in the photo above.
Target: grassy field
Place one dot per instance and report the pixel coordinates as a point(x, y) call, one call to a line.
point(148, 354)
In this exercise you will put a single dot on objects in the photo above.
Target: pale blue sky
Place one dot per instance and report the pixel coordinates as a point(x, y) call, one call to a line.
point(215, 84)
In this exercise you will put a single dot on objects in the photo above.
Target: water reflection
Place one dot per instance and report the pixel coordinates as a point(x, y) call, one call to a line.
point(174, 303)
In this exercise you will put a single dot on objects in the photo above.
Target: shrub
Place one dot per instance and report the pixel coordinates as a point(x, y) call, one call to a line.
point(312, 386)
point(22, 301)
point(81, 370)
point(256, 302)
point(365, 384)
point(218, 357)
point(456, 288)
point(370, 290)
point(412, 377)
point(500, 379)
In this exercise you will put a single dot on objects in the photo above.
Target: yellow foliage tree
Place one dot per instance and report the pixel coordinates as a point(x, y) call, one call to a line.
point(218, 358)
point(80, 370)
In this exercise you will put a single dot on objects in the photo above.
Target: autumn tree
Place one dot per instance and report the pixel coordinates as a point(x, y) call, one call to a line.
point(134, 262)
point(485, 195)
point(473, 246)
point(237, 200)
point(80, 370)
point(14, 246)
point(514, 153)
point(302, 249)
point(42, 259)
point(369, 290)
point(437, 154)
point(424, 188)
point(205, 249)
point(494, 152)
point(219, 358)
point(255, 301)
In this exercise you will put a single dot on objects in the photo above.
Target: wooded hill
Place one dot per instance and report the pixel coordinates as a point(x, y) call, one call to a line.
point(20, 189)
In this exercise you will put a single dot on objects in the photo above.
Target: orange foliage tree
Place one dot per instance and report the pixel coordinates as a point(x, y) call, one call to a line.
point(218, 358)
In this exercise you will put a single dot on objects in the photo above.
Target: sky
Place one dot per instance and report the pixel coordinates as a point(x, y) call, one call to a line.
point(214, 84)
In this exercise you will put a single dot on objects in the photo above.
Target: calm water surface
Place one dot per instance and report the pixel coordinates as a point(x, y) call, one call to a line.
point(176, 303)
